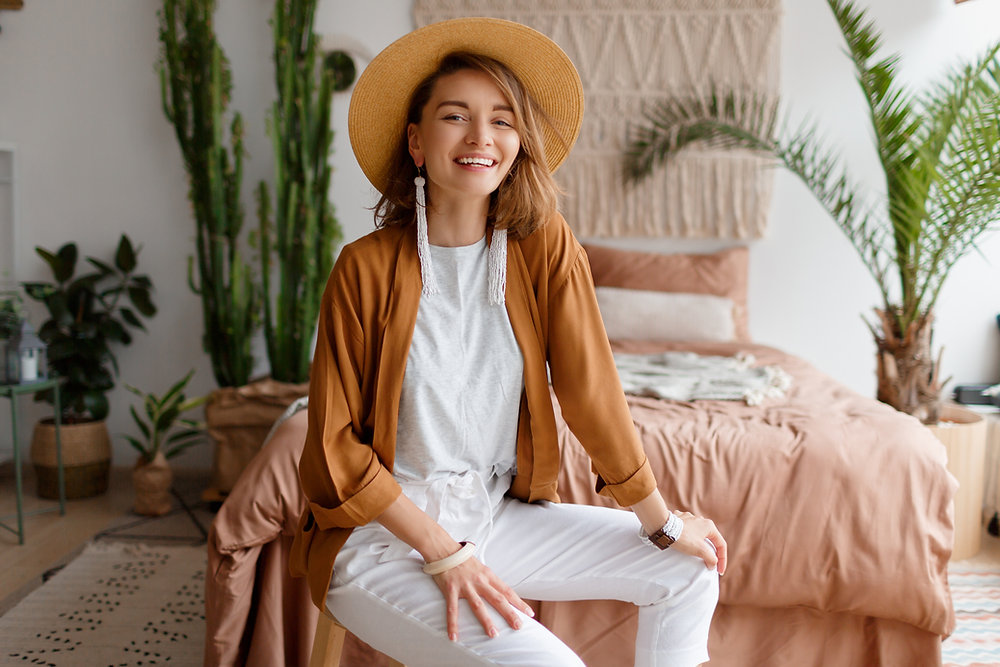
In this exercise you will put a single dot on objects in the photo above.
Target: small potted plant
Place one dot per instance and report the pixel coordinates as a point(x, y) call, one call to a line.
point(164, 435)
point(10, 320)
point(88, 315)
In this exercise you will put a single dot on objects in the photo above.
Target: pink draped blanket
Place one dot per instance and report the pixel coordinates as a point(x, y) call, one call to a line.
point(829, 500)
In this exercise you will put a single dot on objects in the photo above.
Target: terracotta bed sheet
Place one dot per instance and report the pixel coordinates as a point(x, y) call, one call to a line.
point(836, 508)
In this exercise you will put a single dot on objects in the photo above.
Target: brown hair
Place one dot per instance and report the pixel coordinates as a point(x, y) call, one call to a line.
point(528, 195)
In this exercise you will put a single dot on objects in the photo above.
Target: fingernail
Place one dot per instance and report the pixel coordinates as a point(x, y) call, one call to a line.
point(453, 637)
point(517, 625)
point(494, 633)
point(531, 612)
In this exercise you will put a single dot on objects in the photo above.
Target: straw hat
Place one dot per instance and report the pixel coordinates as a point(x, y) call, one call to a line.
point(381, 96)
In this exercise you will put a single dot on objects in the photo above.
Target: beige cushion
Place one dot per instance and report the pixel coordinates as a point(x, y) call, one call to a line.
point(630, 314)
point(722, 273)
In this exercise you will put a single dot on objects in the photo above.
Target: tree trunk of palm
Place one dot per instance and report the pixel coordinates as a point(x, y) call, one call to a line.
point(908, 374)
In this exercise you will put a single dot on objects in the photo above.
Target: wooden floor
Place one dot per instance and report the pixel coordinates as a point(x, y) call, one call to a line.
point(52, 540)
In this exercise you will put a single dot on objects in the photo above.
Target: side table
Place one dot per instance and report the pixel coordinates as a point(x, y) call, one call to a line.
point(12, 391)
point(991, 473)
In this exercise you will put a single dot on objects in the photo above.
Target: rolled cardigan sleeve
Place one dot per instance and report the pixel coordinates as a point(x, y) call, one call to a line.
point(344, 481)
point(587, 385)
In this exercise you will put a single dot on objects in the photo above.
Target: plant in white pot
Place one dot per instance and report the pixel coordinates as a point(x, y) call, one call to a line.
point(940, 153)
point(164, 435)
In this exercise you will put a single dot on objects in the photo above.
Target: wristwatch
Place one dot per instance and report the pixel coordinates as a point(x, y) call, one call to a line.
point(667, 535)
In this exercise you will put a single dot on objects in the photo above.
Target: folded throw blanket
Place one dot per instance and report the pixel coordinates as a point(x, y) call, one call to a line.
point(686, 376)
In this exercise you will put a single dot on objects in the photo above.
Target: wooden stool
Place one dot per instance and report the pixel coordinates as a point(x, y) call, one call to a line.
point(328, 643)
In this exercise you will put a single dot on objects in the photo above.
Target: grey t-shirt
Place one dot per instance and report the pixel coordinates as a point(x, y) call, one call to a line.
point(461, 391)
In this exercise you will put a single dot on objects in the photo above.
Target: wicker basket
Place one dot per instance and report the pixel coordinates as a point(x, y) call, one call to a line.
point(86, 454)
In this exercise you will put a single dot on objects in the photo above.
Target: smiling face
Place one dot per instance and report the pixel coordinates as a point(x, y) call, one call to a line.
point(466, 138)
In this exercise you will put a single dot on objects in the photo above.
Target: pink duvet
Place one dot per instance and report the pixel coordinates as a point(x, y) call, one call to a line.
point(829, 500)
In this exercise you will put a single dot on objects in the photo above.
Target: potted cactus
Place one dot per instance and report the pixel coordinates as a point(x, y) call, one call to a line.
point(195, 86)
point(301, 231)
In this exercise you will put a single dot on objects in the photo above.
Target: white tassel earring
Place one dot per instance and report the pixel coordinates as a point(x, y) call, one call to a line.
point(496, 264)
point(423, 244)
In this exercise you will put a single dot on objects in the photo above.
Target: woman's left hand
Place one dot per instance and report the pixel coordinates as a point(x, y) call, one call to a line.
point(702, 538)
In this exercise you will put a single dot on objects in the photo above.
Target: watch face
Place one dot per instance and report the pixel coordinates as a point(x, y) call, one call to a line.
point(661, 539)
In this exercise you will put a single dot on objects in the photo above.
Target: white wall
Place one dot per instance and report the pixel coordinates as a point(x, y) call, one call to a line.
point(80, 100)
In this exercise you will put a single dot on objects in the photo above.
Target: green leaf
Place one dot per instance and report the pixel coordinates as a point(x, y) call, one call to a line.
point(102, 268)
point(184, 435)
point(131, 318)
point(143, 281)
point(178, 387)
point(193, 403)
point(63, 263)
point(138, 445)
point(125, 256)
point(177, 449)
point(139, 422)
point(112, 330)
point(166, 419)
point(140, 299)
point(38, 291)
point(96, 404)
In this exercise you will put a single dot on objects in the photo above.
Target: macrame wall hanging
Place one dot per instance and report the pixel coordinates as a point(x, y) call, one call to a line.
point(631, 54)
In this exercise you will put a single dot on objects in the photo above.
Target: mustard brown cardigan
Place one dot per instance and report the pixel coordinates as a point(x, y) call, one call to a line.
point(366, 323)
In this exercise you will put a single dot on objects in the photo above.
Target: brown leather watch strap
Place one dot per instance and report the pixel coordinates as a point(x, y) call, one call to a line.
point(661, 539)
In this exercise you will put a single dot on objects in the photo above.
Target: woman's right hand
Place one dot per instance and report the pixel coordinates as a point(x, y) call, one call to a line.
point(701, 538)
point(479, 586)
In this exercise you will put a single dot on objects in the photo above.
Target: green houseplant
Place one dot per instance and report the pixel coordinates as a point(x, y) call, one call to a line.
point(940, 153)
point(301, 230)
point(10, 313)
point(164, 434)
point(88, 315)
point(196, 85)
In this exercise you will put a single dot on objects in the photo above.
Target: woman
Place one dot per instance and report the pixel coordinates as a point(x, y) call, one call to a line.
point(431, 458)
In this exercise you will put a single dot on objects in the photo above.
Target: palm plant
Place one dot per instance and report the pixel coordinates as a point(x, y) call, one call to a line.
point(940, 152)
point(162, 427)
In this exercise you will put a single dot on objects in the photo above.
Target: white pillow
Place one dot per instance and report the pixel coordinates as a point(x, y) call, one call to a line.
point(632, 314)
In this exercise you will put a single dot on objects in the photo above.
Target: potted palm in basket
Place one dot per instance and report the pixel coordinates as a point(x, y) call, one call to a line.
point(164, 434)
point(940, 153)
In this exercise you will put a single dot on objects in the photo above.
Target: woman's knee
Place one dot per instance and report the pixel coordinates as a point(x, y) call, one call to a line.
point(691, 584)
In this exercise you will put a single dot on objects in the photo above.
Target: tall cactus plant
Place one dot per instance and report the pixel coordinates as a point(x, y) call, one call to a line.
point(304, 229)
point(196, 83)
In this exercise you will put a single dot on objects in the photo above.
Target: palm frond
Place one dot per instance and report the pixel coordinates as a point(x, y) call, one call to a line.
point(734, 120)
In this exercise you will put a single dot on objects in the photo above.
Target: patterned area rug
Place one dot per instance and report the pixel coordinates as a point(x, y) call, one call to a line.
point(975, 591)
point(116, 604)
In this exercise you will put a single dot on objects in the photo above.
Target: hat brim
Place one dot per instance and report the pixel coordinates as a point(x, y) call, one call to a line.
point(379, 103)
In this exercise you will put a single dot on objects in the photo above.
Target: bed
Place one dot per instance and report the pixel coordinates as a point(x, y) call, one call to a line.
point(837, 508)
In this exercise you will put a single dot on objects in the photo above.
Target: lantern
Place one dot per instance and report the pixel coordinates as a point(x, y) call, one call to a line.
point(24, 357)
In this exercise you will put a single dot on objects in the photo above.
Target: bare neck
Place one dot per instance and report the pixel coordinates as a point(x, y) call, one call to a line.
point(457, 222)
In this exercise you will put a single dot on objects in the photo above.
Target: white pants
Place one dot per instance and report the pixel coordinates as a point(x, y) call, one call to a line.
point(544, 551)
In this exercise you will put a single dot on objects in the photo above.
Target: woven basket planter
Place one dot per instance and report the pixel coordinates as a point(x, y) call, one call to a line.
point(239, 419)
point(151, 481)
point(86, 455)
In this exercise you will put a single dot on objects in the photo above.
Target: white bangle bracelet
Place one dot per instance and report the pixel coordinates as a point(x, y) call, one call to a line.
point(438, 566)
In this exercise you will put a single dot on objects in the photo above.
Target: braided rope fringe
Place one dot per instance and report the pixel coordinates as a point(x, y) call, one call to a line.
point(496, 264)
point(423, 244)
